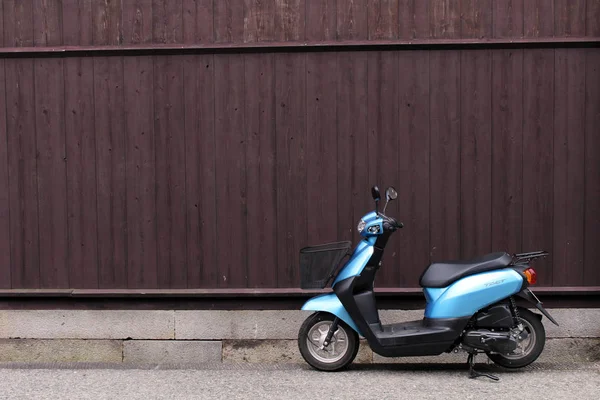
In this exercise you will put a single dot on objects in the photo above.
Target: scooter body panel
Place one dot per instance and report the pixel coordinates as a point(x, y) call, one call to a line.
point(470, 294)
point(358, 261)
point(331, 304)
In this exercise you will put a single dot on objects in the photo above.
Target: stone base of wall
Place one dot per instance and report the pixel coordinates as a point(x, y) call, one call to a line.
point(191, 337)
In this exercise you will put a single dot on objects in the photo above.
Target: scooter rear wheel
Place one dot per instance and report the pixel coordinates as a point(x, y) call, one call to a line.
point(529, 349)
point(341, 351)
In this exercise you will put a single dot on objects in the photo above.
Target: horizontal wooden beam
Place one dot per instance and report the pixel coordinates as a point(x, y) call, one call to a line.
point(245, 292)
point(248, 299)
point(588, 41)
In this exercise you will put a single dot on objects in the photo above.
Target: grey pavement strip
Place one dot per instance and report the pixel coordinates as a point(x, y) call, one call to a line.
point(243, 366)
point(398, 381)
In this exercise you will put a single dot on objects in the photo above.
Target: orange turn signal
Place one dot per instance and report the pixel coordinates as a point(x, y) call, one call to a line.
point(531, 275)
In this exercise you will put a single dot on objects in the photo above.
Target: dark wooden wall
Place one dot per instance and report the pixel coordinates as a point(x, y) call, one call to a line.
point(134, 167)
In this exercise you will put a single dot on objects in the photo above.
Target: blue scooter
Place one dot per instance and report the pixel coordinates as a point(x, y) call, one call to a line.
point(470, 304)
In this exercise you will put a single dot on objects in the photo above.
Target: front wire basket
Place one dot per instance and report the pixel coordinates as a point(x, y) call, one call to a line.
point(319, 263)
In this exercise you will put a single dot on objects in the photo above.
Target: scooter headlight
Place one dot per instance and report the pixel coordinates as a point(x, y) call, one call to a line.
point(361, 225)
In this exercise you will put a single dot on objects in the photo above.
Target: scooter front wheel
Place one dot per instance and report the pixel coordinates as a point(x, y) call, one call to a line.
point(338, 354)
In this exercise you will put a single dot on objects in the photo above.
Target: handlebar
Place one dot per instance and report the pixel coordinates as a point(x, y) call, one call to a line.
point(390, 223)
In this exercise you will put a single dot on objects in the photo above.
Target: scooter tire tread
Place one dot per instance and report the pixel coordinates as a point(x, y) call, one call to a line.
point(540, 332)
point(344, 362)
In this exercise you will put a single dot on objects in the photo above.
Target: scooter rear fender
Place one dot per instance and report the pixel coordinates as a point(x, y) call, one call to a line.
point(331, 304)
point(530, 297)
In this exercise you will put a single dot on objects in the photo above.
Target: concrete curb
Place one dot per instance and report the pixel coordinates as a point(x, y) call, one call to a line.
point(171, 351)
point(226, 336)
point(87, 324)
point(220, 325)
point(61, 350)
point(568, 350)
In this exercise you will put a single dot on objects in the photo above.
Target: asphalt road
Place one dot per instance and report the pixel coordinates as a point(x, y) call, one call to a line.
point(580, 381)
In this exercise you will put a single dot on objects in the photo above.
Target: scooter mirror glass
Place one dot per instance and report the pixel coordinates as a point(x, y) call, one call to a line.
point(391, 193)
point(375, 193)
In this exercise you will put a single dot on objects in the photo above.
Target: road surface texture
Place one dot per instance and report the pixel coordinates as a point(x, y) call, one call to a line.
point(295, 381)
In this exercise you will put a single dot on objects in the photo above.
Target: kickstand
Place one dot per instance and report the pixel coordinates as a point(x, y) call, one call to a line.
point(476, 374)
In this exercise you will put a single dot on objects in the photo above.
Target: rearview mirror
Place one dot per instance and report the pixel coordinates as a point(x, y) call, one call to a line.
point(375, 193)
point(391, 193)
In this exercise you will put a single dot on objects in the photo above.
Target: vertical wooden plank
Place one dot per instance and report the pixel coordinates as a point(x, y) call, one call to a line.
point(47, 23)
point(50, 138)
point(538, 18)
point(476, 19)
point(291, 141)
point(592, 24)
point(137, 21)
point(111, 173)
point(352, 133)
point(321, 20)
point(21, 149)
point(167, 27)
point(22, 170)
point(352, 20)
point(290, 17)
point(52, 187)
point(200, 158)
point(321, 157)
point(261, 175)
point(77, 23)
point(384, 126)
point(569, 167)
point(81, 149)
point(167, 21)
point(259, 20)
point(444, 19)
point(476, 152)
point(383, 19)
point(413, 162)
point(199, 112)
point(538, 153)
point(107, 22)
point(569, 17)
point(507, 145)
point(507, 18)
point(592, 164)
point(170, 171)
point(5, 259)
point(198, 21)
point(2, 25)
point(414, 21)
point(228, 21)
point(444, 182)
point(18, 23)
point(110, 132)
point(4, 185)
point(142, 267)
point(231, 170)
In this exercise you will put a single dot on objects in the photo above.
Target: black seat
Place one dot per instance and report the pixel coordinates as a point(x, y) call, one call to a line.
point(439, 275)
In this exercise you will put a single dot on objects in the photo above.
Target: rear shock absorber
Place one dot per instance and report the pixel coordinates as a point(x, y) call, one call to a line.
point(515, 313)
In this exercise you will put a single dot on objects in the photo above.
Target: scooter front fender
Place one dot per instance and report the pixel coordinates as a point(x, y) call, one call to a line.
point(331, 304)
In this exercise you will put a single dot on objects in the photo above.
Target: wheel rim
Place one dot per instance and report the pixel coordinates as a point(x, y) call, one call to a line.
point(336, 350)
point(524, 346)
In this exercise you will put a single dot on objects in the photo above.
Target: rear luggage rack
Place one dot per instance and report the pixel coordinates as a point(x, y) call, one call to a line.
point(524, 258)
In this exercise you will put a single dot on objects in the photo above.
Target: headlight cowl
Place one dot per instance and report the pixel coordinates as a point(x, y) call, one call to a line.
point(361, 225)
